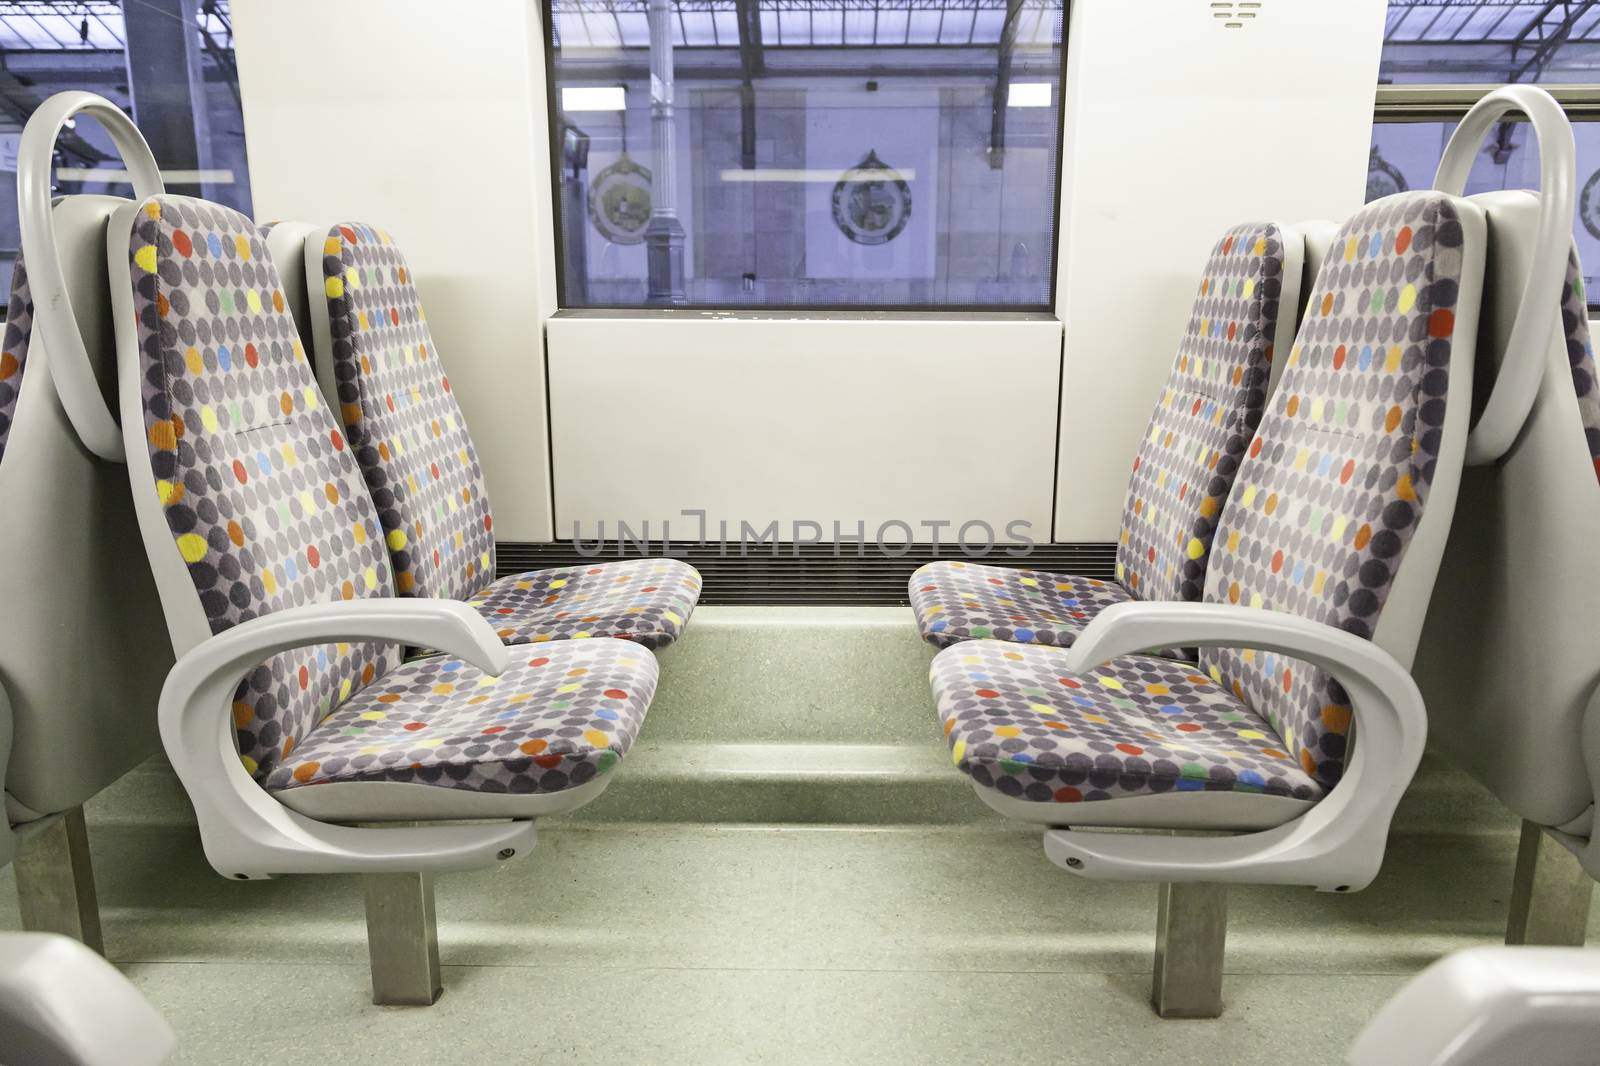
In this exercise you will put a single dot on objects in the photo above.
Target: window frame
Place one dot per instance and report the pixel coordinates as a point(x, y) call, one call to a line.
point(553, 121)
point(1396, 104)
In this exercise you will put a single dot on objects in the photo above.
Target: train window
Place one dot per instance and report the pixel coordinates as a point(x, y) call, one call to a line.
point(806, 153)
point(1475, 42)
point(169, 63)
point(1440, 56)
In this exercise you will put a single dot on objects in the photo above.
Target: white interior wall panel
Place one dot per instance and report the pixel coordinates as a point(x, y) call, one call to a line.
point(849, 420)
point(1177, 127)
point(431, 124)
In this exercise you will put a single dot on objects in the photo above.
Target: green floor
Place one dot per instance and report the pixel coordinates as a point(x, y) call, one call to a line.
point(745, 897)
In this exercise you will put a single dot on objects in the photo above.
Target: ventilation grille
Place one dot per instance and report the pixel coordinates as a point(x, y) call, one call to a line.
point(1235, 16)
point(810, 574)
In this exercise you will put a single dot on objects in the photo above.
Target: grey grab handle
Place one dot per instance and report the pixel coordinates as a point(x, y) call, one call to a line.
point(1517, 383)
point(53, 319)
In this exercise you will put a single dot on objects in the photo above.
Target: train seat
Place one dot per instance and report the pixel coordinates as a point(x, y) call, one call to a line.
point(1321, 577)
point(1352, 472)
point(251, 503)
point(290, 710)
point(1245, 310)
point(72, 565)
point(378, 363)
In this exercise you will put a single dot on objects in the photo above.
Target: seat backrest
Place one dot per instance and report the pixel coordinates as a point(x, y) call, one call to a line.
point(248, 496)
point(1508, 663)
point(1579, 349)
point(371, 341)
point(14, 349)
point(13, 361)
point(286, 242)
point(1208, 410)
point(84, 710)
point(1356, 463)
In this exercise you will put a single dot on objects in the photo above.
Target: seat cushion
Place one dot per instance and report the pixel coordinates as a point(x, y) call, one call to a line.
point(956, 601)
point(647, 601)
point(1018, 723)
point(557, 719)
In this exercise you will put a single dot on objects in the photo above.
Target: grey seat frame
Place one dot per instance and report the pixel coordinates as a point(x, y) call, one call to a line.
point(1507, 659)
point(66, 732)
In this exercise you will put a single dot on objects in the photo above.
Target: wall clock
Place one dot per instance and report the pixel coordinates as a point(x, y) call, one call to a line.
point(871, 202)
point(619, 201)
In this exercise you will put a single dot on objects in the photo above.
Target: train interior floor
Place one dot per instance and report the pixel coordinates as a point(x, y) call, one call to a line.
point(787, 869)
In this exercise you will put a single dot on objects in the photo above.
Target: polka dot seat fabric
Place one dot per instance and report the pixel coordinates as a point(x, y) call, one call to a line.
point(1580, 354)
point(647, 601)
point(1209, 410)
point(256, 484)
point(404, 423)
point(1333, 489)
point(555, 720)
point(414, 449)
point(1209, 407)
point(14, 349)
point(1328, 496)
point(956, 601)
point(252, 502)
point(1019, 724)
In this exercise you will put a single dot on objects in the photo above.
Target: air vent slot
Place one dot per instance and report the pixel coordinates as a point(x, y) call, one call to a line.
point(809, 574)
point(1235, 14)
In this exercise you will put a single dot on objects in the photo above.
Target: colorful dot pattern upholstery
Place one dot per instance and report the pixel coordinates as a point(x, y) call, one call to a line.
point(404, 422)
point(1580, 355)
point(644, 600)
point(1336, 480)
point(556, 719)
point(1019, 724)
point(268, 508)
point(411, 440)
point(258, 486)
point(955, 601)
point(1325, 502)
point(14, 349)
point(1208, 411)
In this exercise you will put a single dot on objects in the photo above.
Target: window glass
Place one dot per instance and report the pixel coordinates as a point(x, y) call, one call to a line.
point(1456, 42)
point(819, 153)
point(169, 63)
point(1406, 154)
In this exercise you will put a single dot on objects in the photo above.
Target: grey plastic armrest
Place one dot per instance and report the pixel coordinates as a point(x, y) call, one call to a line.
point(1489, 1006)
point(53, 319)
point(1338, 844)
point(63, 1005)
point(246, 832)
point(1517, 381)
